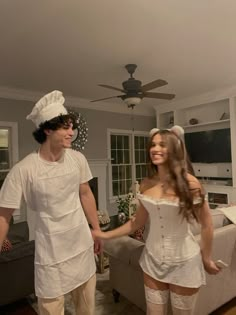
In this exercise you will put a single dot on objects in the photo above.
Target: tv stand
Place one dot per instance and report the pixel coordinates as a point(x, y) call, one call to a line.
point(215, 181)
point(213, 170)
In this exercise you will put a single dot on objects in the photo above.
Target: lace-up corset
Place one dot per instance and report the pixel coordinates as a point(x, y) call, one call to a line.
point(169, 238)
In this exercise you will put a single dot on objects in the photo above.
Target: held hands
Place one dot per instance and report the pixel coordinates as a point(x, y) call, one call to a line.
point(211, 267)
point(98, 247)
point(98, 244)
point(99, 235)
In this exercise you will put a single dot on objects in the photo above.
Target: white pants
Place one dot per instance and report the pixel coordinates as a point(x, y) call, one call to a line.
point(83, 298)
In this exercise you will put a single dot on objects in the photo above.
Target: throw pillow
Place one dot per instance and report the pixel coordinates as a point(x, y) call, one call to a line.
point(138, 235)
point(6, 246)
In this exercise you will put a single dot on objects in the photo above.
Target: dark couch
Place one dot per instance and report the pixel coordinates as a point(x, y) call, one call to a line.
point(17, 265)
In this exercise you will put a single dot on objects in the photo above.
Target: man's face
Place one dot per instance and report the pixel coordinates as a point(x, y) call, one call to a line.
point(61, 137)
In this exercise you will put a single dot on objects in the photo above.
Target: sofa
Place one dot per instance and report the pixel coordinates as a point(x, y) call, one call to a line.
point(17, 265)
point(126, 275)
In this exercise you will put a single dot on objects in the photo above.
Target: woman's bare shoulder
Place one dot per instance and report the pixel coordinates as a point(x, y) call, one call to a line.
point(193, 182)
point(146, 184)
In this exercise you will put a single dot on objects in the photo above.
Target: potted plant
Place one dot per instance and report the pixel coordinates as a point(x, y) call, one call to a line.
point(125, 207)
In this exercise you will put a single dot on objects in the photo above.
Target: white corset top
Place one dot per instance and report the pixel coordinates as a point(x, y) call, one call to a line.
point(169, 238)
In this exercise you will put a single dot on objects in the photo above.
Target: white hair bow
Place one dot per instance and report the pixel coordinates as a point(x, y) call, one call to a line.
point(177, 130)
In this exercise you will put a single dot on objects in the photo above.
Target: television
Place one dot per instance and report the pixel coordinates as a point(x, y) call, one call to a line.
point(212, 146)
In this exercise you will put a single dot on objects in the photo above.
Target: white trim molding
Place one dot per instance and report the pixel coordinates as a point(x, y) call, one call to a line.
point(14, 156)
point(14, 139)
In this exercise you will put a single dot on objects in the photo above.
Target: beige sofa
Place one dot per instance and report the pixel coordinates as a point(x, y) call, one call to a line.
point(126, 275)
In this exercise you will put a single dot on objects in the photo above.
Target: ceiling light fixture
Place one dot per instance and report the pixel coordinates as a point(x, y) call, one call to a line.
point(132, 101)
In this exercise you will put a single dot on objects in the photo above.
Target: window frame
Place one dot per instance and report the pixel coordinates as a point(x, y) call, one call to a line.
point(13, 156)
point(13, 147)
point(131, 135)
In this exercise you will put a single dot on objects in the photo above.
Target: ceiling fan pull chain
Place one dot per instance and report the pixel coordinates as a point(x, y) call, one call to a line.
point(132, 118)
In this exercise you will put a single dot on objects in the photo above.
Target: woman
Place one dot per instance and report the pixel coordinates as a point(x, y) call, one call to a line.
point(172, 261)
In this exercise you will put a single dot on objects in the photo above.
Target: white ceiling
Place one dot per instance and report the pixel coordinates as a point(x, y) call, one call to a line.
point(73, 45)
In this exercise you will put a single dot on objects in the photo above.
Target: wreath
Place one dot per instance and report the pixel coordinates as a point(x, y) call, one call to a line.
point(80, 136)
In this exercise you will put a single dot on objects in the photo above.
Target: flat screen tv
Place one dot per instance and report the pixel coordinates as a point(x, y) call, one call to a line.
point(213, 146)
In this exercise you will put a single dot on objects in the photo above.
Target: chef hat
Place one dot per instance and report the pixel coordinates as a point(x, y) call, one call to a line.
point(47, 108)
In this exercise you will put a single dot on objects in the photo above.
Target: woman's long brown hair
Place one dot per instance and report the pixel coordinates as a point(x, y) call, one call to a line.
point(179, 166)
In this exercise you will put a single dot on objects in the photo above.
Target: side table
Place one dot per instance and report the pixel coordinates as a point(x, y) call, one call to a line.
point(102, 260)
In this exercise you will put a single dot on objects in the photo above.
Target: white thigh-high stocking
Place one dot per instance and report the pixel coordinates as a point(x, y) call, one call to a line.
point(156, 301)
point(183, 304)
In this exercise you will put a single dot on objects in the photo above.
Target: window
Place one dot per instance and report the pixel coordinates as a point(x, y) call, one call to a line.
point(8, 148)
point(128, 160)
point(140, 147)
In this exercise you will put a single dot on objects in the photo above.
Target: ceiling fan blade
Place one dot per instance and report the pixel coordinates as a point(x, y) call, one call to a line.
point(111, 87)
point(106, 98)
point(164, 96)
point(154, 84)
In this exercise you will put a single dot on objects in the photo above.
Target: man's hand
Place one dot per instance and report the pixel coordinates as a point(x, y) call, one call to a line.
point(98, 243)
point(98, 246)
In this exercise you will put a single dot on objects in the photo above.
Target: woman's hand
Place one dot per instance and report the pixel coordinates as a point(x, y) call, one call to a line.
point(211, 267)
point(98, 234)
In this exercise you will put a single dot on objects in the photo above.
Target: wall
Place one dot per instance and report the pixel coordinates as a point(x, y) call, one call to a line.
point(99, 121)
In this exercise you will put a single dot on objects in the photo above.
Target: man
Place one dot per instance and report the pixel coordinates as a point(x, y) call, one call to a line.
point(54, 183)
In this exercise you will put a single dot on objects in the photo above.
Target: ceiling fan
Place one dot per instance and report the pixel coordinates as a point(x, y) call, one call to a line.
point(134, 91)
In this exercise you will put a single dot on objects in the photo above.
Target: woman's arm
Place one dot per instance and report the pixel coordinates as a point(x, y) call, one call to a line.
point(90, 209)
point(128, 228)
point(206, 232)
point(205, 220)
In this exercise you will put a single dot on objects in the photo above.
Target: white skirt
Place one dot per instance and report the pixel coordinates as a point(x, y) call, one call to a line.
point(190, 273)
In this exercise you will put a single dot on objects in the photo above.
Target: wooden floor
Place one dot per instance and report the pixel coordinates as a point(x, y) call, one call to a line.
point(23, 307)
point(227, 309)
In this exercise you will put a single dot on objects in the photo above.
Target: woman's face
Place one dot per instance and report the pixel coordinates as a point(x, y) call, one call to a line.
point(158, 150)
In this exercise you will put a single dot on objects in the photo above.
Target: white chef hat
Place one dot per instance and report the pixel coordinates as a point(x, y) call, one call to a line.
point(47, 108)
